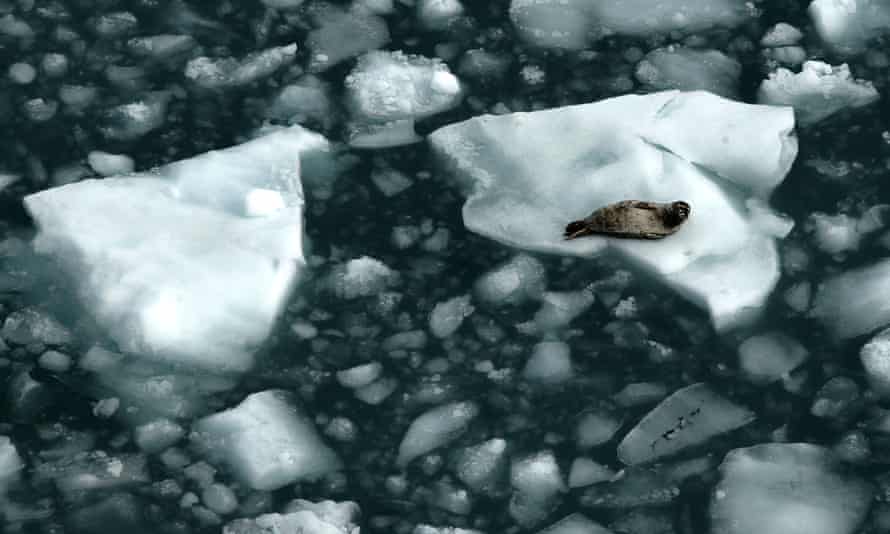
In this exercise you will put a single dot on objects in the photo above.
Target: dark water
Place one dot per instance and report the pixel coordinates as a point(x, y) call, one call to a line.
point(50, 415)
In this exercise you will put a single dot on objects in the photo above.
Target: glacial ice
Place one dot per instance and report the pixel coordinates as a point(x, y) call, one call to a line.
point(573, 24)
point(152, 283)
point(818, 91)
point(689, 417)
point(689, 69)
point(787, 488)
point(847, 26)
point(526, 178)
point(387, 91)
point(854, 302)
point(435, 428)
point(266, 441)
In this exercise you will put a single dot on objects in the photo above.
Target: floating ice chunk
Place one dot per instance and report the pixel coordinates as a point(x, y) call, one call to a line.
point(11, 464)
point(283, 4)
point(435, 428)
point(855, 302)
point(94, 471)
point(595, 428)
point(161, 47)
point(835, 234)
point(153, 283)
point(817, 92)
point(133, 120)
point(689, 417)
point(389, 90)
point(390, 182)
point(782, 34)
point(430, 529)
point(484, 467)
point(689, 69)
point(30, 325)
point(447, 316)
point(875, 356)
point(848, 25)
point(522, 278)
point(793, 488)
point(572, 24)
point(362, 277)
point(585, 472)
point(149, 390)
point(550, 363)
point(21, 73)
point(438, 14)
point(575, 524)
point(266, 441)
point(343, 34)
point(528, 174)
point(110, 164)
point(308, 520)
point(558, 309)
point(360, 375)
point(769, 357)
point(225, 73)
point(7, 180)
point(157, 435)
point(55, 361)
point(220, 499)
point(537, 485)
point(306, 100)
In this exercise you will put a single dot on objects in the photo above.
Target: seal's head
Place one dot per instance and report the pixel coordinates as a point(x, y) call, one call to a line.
point(677, 213)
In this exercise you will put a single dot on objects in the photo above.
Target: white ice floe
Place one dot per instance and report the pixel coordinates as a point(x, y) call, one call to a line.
point(203, 294)
point(854, 302)
point(818, 91)
point(266, 441)
point(387, 91)
point(787, 488)
point(847, 26)
point(573, 24)
point(529, 174)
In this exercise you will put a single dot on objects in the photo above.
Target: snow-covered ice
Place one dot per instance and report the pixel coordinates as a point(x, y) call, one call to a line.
point(387, 91)
point(787, 488)
point(689, 417)
point(153, 283)
point(528, 174)
point(362, 277)
point(818, 91)
point(266, 441)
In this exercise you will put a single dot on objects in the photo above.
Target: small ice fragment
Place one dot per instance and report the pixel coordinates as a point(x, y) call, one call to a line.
point(769, 357)
point(549, 364)
point(447, 316)
point(110, 164)
point(435, 428)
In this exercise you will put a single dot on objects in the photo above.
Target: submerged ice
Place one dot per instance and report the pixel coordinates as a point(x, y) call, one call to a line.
point(526, 178)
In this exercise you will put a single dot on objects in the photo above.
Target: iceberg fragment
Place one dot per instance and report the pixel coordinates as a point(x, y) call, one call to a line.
point(528, 174)
point(855, 302)
point(818, 91)
point(266, 441)
point(689, 417)
point(154, 284)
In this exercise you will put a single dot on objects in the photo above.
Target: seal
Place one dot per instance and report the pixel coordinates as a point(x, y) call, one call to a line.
point(634, 219)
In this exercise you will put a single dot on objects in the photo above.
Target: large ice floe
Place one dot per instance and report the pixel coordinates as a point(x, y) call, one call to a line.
point(191, 263)
point(528, 174)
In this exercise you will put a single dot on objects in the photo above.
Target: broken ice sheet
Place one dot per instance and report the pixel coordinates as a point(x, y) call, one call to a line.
point(787, 488)
point(153, 283)
point(689, 417)
point(528, 174)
